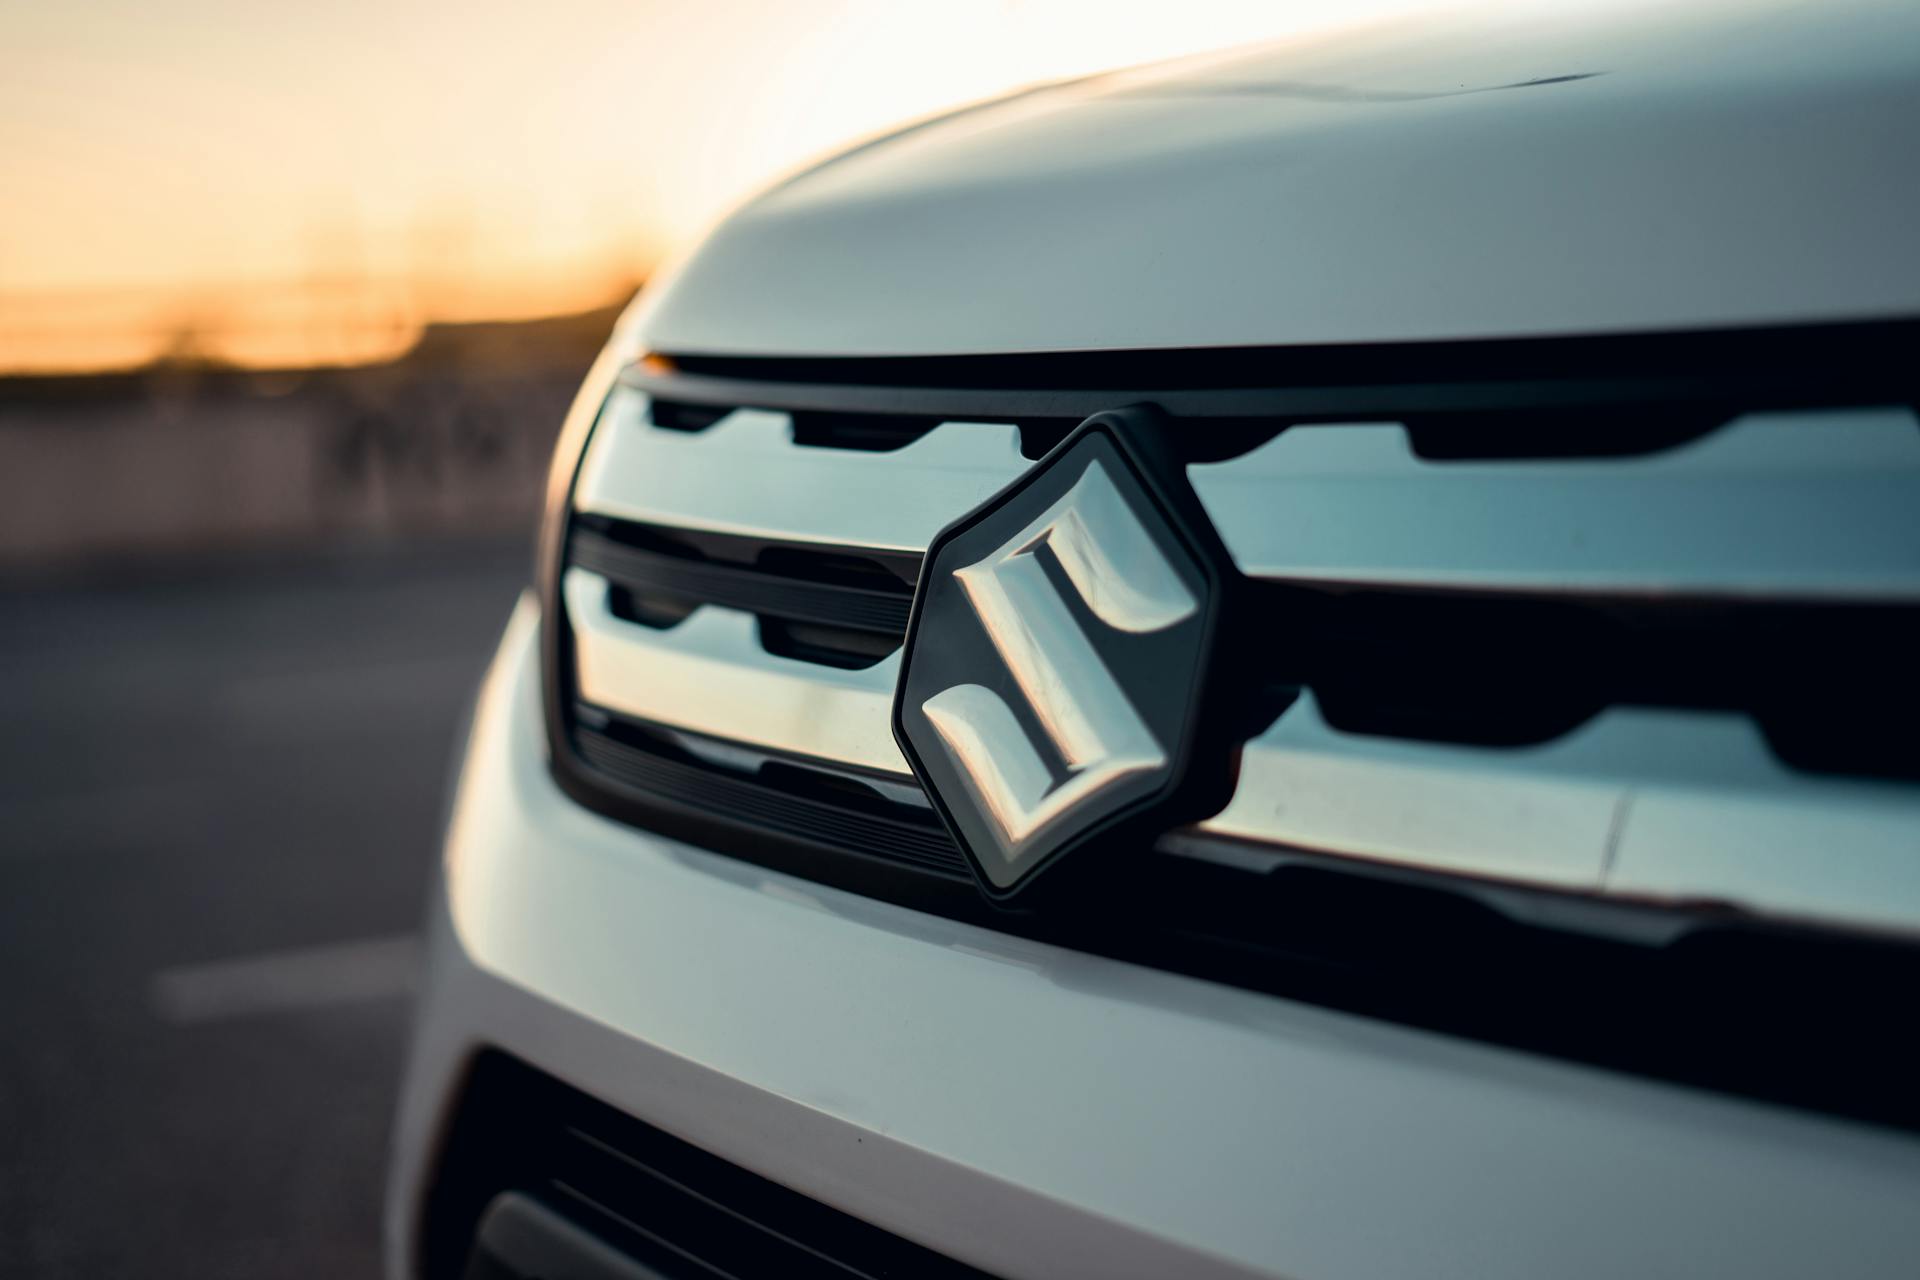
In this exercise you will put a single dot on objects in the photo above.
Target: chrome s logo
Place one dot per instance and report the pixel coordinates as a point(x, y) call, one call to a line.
point(1052, 688)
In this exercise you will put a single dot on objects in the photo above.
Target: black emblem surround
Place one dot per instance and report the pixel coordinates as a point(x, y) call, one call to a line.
point(1062, 649)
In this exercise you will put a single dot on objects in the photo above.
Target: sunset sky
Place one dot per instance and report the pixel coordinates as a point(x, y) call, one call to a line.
point(308, 182)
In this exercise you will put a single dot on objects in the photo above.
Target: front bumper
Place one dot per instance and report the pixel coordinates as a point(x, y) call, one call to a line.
point(1039, 1112)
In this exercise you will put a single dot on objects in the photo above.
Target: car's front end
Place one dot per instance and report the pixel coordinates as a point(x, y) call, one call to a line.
point(1301, 667)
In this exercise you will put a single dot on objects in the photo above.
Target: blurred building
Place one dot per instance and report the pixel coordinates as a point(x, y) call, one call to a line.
point(188, 454)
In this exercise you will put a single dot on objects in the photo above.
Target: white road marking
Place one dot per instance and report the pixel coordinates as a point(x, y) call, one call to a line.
point(282, 981)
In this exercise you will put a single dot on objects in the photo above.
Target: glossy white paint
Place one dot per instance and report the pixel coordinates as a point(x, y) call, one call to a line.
point(1043, 1113)
point(1497, 171)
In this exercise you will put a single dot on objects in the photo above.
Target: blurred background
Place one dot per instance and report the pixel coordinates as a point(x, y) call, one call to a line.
point(292, 300)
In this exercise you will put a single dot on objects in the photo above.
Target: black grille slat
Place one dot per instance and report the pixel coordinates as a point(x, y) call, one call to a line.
point(923, 847)
point(729, 1241)
point(683, 1212)
point(756, 591)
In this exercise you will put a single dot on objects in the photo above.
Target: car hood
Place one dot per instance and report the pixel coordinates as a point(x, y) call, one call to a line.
point(1485, 175)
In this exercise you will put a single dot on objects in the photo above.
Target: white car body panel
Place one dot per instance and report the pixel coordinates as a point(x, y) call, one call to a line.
point(1501, 173)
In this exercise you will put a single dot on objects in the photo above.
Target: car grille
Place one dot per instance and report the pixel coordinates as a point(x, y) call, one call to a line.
point(1610, 638)
point(672, 1209)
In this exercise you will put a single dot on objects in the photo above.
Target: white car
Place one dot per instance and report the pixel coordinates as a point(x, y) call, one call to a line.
point(1298, 664)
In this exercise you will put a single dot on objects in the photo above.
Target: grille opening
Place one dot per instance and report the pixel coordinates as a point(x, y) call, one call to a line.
point(1865, 733)
point(1514, 435)
point(867, 432)
point(1220, 439)
point(1615, 432)
point(676, 415)
point(1475, 671)
point(848, 648)
point(885, 433)
point(679, 1211)
point(844, 647)
point(832, 568)
point(661, 613)
point(1490, 710)
point(1214, 440)
point(1830, 685)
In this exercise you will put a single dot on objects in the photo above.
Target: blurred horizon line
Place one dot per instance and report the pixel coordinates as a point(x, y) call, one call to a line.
point(324, 320)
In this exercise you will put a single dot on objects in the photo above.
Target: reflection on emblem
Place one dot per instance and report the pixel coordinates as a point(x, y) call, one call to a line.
point(1055, 683)
point(1116, 568)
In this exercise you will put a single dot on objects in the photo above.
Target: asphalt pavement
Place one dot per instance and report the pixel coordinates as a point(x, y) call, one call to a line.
point(220, 788)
